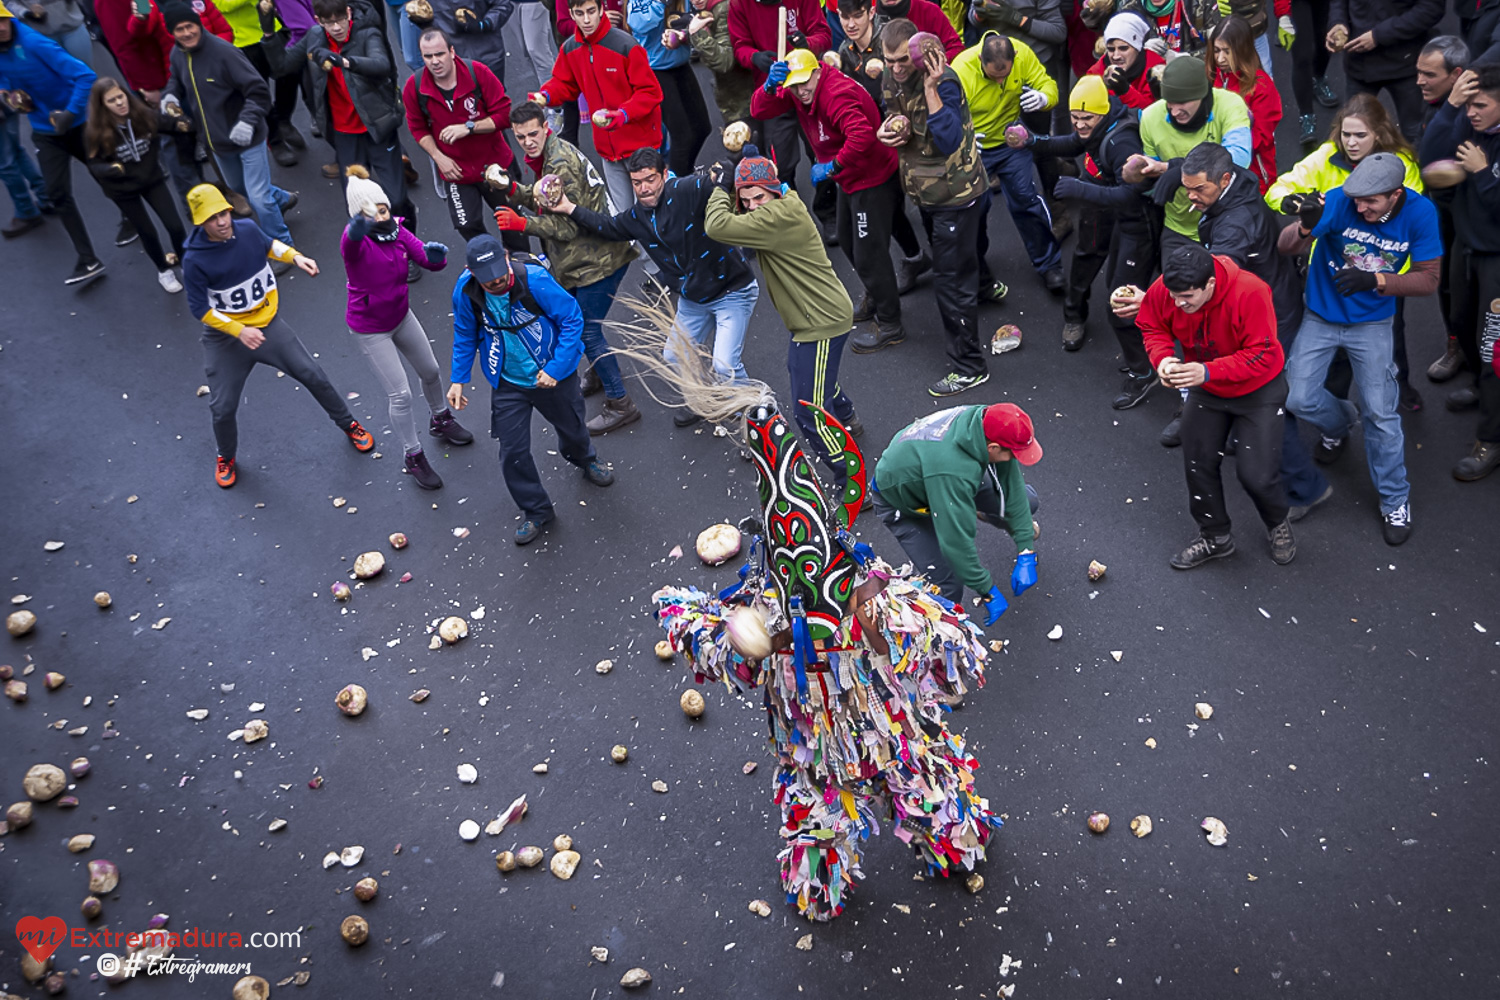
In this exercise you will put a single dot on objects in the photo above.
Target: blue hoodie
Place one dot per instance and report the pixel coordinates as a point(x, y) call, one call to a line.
point(647, 20)
point(553, 335)
point(56, 81)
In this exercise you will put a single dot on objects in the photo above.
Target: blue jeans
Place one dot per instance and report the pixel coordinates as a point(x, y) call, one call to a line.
point(18, 170)
point(411, 50)
point(594, 301)
point(726, 318)
point(78, 44)
point(1263, 49)
point(248, 171)
point(511, 407)
point(1369, 348)
point(1013, 167)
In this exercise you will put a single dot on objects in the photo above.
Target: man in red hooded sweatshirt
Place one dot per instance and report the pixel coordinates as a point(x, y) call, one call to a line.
point(1232, 367)
point(610, 70)
point(839, 119)
point(753, 28)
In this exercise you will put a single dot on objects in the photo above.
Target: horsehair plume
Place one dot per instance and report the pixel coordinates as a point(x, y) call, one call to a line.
point(653, 333)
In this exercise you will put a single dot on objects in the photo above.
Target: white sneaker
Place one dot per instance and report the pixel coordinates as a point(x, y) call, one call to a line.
point(168, 280)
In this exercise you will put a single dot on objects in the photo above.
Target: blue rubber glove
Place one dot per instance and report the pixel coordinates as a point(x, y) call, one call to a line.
point(995, 605)
point(777, 75)
point(436, 252)
point(822, 171)
point(1023, 577)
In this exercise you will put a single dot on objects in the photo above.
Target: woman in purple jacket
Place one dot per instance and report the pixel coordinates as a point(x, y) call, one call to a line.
point(376, 248)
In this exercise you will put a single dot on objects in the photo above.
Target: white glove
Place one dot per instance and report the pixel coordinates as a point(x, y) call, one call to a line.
point(1157, 45)
point(1032, 100)
point(242, 133)
point(170, 101)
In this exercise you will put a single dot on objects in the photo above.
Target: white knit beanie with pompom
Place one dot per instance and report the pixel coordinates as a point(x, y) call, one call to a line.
point(363, 194)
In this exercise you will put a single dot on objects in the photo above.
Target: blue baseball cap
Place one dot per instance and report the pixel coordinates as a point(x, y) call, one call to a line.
point(487, 259)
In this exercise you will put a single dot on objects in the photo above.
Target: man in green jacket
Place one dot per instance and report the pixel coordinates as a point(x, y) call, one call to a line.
point(767, 217)
point(588, 266)
point(941, 476)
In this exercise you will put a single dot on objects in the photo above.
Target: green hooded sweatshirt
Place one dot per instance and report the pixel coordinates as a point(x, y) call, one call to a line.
point(812, 301)
point(939, 467)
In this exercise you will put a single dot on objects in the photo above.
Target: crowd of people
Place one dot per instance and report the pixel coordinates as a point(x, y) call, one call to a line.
point(1266, 289)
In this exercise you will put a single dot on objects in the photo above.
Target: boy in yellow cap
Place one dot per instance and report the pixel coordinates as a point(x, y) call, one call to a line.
point(1114, 231)
point(232, 290)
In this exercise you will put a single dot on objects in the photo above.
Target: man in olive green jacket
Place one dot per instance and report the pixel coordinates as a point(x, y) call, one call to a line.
point(708, 33)
point(944, 473)
point(765, 216)
point(585, 264)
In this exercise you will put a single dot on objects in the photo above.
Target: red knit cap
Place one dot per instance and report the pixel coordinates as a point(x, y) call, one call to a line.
point(1008, 426)
point(757, 171)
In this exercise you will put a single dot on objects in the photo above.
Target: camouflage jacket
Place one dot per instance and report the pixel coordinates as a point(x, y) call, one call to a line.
point(932, 179)
point(732, 82)
point(578, 257)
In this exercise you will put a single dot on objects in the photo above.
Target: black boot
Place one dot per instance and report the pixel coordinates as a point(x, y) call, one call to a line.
point(422, 473)
point(445, 426)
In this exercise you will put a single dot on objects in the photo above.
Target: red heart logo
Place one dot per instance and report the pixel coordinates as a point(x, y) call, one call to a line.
point(41, 937)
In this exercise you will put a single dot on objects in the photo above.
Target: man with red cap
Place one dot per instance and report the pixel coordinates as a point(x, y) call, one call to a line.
point(941, 476)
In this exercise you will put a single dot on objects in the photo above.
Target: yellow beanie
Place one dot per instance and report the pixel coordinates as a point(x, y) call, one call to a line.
point(1089, 94)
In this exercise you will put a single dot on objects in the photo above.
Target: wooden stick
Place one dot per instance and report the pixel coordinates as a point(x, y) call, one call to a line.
point(781, 34)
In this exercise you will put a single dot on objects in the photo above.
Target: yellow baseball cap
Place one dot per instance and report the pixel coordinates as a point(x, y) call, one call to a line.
point(204, 202)
point(1090, 95)
point(800, 64)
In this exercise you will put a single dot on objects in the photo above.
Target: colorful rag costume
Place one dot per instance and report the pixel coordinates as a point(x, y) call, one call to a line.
point(863, 661)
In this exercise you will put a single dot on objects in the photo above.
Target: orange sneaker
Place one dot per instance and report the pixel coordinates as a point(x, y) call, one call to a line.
point(361, 437)
point(224, 475)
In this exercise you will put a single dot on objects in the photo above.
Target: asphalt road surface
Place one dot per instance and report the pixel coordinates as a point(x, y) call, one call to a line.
point(1350, 753)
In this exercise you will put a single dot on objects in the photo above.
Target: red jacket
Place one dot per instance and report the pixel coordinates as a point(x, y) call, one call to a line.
point(1138, 95)
point(840, 124)
point(928, 16)
point(752, 29)
point(1233, 335)
point(143, 46)
point(1265, 113)
point(612, 73)
point(477, 94)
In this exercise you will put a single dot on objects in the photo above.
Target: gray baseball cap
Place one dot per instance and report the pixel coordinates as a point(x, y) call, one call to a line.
point(1378, 173)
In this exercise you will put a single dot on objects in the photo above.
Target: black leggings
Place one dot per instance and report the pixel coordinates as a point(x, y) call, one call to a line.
point(228, 363)
point(1309, 54)
point(684, 115)
point(159, 197)
point(286, 89)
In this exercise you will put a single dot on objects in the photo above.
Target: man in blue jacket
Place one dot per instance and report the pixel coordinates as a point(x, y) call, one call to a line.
point(41, 80)
point(528, 332)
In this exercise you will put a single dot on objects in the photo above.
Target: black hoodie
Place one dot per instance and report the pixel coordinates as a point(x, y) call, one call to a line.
point(1114, 141)
point(1243, 228)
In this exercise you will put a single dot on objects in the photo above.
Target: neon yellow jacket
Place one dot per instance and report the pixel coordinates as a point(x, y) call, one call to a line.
point(997, 105)
point(1324, 169)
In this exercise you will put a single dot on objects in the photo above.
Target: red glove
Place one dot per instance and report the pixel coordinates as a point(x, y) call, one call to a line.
point(509, 221)
point(539, 97)
point(608, 120)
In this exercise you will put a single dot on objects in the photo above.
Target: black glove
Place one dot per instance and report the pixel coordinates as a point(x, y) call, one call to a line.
point(763, 60)
point(36, 15)
point(1168, 183)
point(721, 174)
point(267, 20)
point(359, 227)
point(319, 56)
point(1352, 281)
point(1291, 204)
point(1069, 187)
point(1310, 211)
point(796, 40)
point(62, 120)
point(1114, 79)
point(679, 22)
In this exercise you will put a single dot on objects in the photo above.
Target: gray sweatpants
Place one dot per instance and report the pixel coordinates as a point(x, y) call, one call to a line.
point(385, 351)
